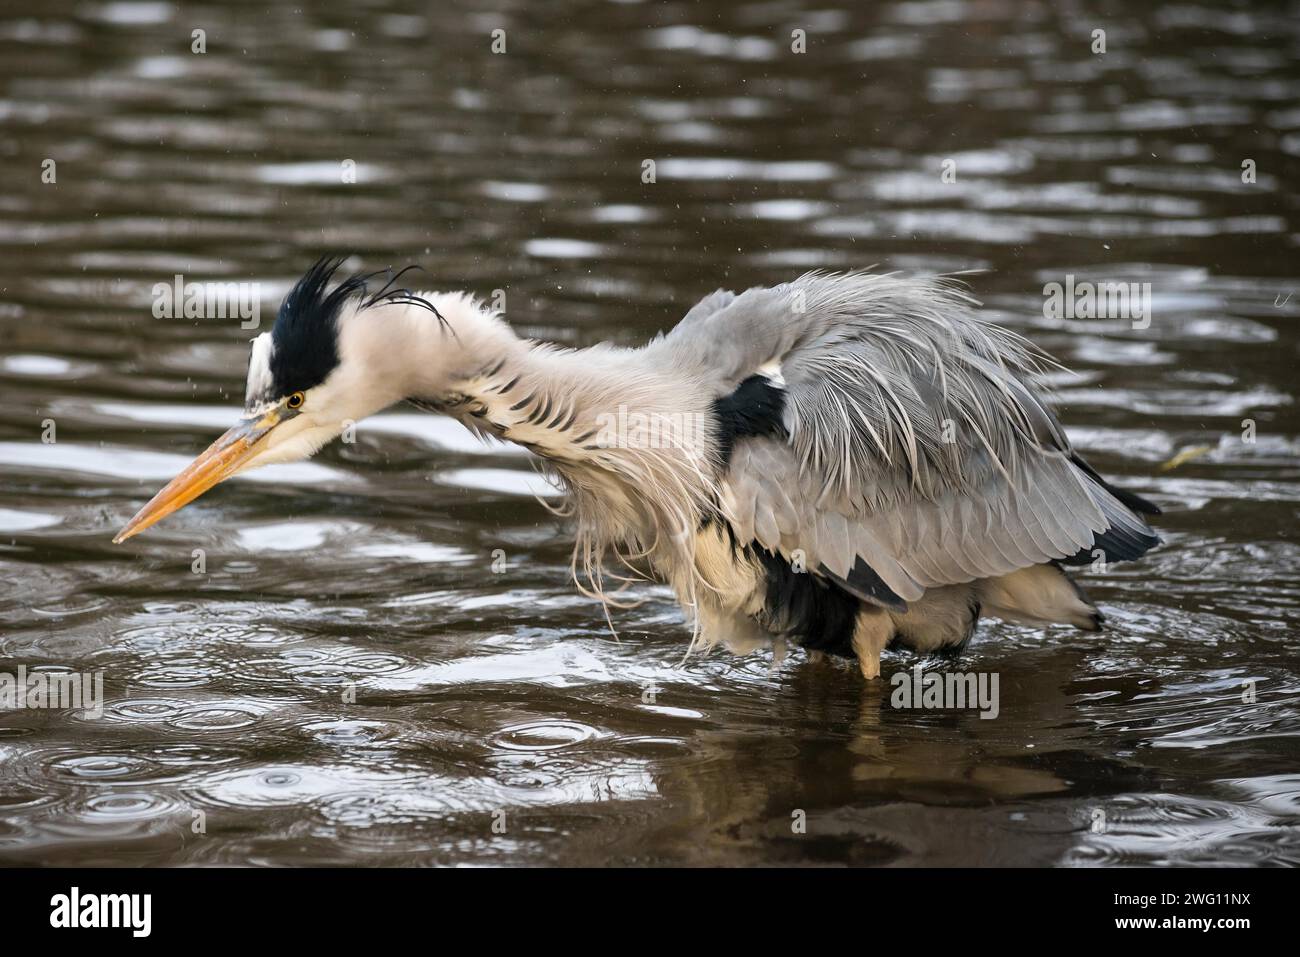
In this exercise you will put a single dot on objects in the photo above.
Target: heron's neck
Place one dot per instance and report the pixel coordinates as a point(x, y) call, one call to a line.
point(597, 407)
point(574, 406)
point(628, 432)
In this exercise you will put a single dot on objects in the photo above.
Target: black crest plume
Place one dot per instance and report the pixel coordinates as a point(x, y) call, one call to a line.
point(305, 334)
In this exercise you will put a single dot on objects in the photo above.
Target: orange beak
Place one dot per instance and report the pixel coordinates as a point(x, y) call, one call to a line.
point(223, 458)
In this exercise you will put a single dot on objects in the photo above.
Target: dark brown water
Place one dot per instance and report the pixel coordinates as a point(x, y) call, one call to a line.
point(350, 681)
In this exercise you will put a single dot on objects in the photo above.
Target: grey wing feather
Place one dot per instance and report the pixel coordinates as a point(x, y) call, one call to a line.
point(705, 308)
point(916, 443)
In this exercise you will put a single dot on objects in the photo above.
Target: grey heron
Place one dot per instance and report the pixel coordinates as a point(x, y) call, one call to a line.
point(842, 461)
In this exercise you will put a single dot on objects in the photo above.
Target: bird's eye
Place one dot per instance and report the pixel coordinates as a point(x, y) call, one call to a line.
point(296, 400)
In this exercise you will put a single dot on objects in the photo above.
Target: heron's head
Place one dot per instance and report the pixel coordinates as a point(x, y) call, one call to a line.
point(333, 357)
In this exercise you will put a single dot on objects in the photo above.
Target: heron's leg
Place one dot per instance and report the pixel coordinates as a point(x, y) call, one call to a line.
point(872, 631)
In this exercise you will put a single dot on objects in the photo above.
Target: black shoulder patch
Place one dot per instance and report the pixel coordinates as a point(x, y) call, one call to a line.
point(755, 408)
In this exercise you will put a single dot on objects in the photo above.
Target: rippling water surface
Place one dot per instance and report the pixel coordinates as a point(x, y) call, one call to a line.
point(351, 681)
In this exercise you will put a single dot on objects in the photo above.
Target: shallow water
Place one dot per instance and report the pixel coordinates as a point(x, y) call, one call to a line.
point(350, 680)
